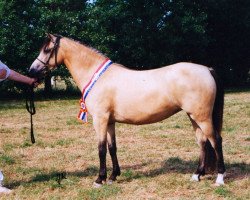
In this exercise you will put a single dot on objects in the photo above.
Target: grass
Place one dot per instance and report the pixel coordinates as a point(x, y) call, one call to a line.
point(156, 160)
point(5, 159)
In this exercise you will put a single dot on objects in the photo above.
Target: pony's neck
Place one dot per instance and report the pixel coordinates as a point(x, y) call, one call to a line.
point(81, 61)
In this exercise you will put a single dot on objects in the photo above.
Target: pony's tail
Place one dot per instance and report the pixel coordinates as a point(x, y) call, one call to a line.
point(217, 117)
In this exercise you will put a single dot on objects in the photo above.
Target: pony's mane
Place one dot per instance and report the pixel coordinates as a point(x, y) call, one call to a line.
point(85, 45)
point(47, 40)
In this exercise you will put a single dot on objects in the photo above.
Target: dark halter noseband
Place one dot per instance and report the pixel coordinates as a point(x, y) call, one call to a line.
point(54, 50)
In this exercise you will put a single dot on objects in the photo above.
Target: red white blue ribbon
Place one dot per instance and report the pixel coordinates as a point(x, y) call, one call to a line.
point(83, 114)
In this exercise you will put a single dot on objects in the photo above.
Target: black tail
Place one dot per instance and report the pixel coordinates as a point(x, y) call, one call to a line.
point(210, 161)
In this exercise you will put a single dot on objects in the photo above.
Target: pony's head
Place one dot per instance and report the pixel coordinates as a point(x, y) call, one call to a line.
point(48, 57)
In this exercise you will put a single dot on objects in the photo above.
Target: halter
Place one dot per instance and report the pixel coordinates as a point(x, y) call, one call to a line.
point(30, 106)
point(54, 50)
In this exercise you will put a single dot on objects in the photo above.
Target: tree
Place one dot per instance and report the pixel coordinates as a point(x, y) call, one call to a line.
point(148, 34)
point(229, 29)
point(23, 24)
point(65, 17)
point(145, 34)
point(140, 34)
point(15, 35)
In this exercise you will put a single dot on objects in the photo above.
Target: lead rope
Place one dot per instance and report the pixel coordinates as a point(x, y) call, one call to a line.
point(30, 106)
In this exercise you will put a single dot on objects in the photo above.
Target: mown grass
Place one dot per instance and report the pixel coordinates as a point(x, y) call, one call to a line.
point(156, 160)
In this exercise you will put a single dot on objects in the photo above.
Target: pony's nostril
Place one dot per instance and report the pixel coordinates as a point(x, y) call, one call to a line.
point(32, 72)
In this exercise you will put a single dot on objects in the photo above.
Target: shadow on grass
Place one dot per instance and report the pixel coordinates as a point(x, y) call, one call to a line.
point(235, 171)
point(171, 165)
point(174, 164)
point(45, 177)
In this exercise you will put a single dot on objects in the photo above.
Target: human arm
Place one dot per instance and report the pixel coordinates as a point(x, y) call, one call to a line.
point(7, 73)
point(15, 76)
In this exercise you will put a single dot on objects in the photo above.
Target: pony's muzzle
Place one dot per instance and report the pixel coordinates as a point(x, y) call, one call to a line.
point(37, 72)
point(33, 73)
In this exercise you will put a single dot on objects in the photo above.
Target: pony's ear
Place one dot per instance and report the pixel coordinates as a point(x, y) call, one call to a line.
point(50, 36)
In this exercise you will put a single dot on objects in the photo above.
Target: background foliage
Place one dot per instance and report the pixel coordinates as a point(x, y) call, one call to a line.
point(140, 34)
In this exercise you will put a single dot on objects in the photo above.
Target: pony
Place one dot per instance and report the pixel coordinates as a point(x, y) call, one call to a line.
point(113, 93)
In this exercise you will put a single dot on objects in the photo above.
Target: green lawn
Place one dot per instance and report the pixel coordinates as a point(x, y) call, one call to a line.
point(156, 160)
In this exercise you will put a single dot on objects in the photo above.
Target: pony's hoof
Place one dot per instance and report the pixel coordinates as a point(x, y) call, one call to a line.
point(97, 185)
point(195, 178)
point(220, 180)
point(110, 182)
point(218, 184)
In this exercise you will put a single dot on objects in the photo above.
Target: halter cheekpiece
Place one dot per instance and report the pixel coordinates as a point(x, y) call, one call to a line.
point(83, 114)
point(54, 50)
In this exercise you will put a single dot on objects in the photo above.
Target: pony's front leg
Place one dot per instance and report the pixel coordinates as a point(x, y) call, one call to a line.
point(100, 125)
point(112, 151)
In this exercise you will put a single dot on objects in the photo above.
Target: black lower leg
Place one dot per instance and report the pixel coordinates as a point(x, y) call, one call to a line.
point(201, 166)
point(116, 168)
point(200, 170)
point(102, 147)
point(219, 155)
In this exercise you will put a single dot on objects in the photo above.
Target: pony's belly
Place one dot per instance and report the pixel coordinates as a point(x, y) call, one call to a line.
point(144, 117)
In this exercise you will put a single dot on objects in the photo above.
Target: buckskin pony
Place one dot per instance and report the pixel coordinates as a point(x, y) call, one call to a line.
point(113, 93)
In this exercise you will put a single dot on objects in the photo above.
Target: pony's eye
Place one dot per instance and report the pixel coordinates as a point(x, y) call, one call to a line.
point(47, 50)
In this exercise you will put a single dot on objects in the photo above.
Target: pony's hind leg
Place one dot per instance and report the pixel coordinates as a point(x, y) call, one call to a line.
point(201, 141)
point(217, 145)
point(216, 142)
point(112, 151)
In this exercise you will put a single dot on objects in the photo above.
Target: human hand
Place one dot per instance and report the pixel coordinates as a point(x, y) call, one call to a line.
point(34, 82)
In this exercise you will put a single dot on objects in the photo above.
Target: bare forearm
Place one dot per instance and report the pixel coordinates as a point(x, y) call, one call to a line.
point(15, 76)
